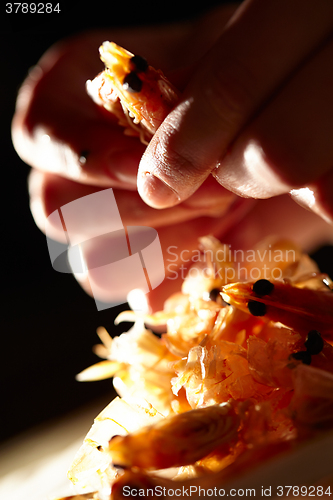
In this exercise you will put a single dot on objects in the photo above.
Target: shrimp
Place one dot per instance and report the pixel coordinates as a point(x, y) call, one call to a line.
point(139, 95)
point(177, 440)
point(301, 309)
point(92, 467)
point(227, 385)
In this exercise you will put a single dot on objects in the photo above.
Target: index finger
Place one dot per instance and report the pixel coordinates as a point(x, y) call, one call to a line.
point(258, 50)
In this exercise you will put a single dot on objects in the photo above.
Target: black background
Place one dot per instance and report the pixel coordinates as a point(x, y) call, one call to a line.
point(48, 323)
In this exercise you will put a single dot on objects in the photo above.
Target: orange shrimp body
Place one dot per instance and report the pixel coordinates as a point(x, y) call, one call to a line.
point(139, 95)
point(227, 385)
point(177, 440)
point(301, 309)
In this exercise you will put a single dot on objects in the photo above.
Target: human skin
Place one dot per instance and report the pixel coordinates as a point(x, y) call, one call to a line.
point(262, 95)
point(55, 122)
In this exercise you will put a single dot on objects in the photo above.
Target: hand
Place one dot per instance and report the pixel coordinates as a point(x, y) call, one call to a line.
point(56, 124)
point(257, 114)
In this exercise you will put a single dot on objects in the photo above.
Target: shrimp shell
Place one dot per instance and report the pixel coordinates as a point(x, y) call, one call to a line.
point(301, 309)
point(140, 112)
point(91, 466)
point(177, 440)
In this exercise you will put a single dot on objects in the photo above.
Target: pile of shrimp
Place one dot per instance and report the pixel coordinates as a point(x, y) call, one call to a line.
point(223, 387)
point(244, 368)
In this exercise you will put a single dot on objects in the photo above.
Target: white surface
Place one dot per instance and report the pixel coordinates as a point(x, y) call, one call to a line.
point(33, 466)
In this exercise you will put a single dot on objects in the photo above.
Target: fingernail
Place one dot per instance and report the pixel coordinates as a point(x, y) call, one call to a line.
point(155, 192)
point(304, 197)
point(307, 198)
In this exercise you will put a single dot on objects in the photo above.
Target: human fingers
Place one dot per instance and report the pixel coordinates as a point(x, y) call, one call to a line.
point(58, 128)
point(49, 192)
point(179, 242)
point(262, 46)
point(178, 228)
point(288, 147)
point(280, 216)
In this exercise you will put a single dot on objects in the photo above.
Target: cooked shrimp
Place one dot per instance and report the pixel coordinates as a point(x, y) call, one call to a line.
point(91, 468)
point(139, 95)
point(177, 440)
point(301, 309)
point(228, 383)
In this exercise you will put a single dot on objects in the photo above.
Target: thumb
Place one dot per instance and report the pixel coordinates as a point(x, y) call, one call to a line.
point(257, 51)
